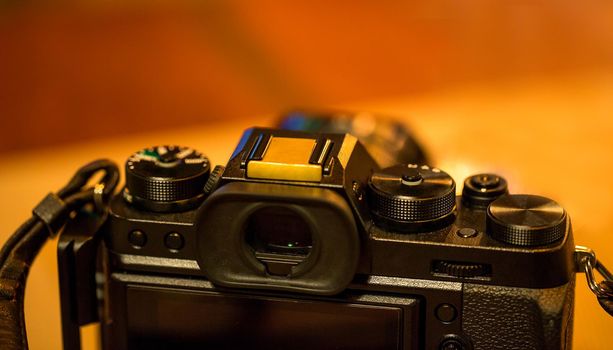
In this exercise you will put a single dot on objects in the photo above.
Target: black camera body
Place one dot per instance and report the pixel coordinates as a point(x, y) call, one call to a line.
point(303, 242)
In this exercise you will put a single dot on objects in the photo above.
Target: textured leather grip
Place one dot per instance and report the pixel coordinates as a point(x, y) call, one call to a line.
point(510, 318)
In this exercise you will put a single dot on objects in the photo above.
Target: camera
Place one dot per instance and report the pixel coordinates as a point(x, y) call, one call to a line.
point(302, 241)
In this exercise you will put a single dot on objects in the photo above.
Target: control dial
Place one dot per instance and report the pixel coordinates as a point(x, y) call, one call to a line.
point(526, 220)
point(462, 270)
point(411, 197)
point(166, 178)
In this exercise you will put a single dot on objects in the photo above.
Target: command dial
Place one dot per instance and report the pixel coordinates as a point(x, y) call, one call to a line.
point(411, 197)
point(166, 178)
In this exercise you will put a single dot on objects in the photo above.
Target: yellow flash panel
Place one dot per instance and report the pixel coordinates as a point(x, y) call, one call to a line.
point(286, 159)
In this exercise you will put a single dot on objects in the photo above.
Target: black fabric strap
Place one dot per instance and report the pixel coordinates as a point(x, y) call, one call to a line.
point(20, 250)
point(606, 301)
point(53, 212)
point(13, 275)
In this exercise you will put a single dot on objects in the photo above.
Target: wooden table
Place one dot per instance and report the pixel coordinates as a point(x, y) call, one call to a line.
point(548, 137)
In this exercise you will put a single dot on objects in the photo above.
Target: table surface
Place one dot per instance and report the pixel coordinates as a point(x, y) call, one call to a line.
point(552, 137)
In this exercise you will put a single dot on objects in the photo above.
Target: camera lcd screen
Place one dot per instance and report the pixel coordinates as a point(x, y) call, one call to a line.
point(180, 319)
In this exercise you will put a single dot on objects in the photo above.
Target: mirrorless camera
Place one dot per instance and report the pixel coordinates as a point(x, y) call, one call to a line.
point(303, 242)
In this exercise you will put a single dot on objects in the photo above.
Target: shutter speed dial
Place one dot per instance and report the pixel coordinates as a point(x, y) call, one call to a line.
point(409, 198)
point(166, 178)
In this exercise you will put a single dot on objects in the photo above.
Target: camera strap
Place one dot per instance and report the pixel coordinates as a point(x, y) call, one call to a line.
point(48, 219)
point(586, 262)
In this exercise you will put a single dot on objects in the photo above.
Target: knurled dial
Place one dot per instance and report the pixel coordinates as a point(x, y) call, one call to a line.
point(526, 220)
point(404, 195)
point(459, 269)
point(166, 178)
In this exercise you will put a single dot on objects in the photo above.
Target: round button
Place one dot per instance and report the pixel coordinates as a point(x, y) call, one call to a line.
point(173, 241)
point(446, 313)
point(411, 177)
point(137, 238)
point(467, 232)
point(451, 344)
point(485, 180)
point(526, 220)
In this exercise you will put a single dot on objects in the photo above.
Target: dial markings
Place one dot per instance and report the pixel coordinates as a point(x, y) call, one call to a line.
point(162, 150)
point(184, 153)
point(195, 160)
point(142, 156)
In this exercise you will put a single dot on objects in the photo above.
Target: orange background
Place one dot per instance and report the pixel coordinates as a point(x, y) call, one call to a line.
point(522, 88)
point(73, 70)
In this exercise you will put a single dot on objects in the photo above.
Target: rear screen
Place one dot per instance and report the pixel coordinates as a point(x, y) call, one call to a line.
point(172, 319)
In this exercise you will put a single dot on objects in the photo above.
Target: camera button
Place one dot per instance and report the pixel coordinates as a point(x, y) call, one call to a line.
point(137, 238)
point(451, 344)
point(446, 313)
point(174, 241)
point(467, 232)
point(482, 189)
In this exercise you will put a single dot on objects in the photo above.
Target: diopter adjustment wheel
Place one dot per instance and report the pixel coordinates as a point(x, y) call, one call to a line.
point(411, 197)
point(526, 220)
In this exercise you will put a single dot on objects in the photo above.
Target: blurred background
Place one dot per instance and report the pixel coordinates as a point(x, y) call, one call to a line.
point(73, 70)
point(524, 88)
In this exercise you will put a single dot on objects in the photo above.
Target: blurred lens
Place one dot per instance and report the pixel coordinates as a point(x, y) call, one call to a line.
point(278, 230)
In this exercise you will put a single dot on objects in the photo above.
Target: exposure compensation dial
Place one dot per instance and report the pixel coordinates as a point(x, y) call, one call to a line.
point(526, 220)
